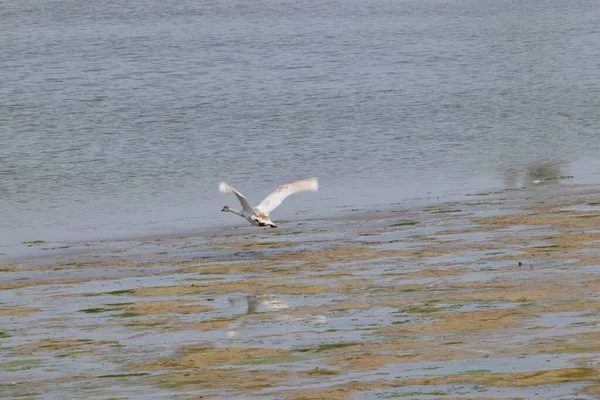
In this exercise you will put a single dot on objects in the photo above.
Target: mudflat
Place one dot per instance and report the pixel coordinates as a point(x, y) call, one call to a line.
point(495, 296)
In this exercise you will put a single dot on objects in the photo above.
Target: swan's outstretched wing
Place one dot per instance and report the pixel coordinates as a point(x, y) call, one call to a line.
point(274, 199)
point(225, 188)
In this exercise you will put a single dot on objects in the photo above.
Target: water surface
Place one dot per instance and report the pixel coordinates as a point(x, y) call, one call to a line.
point(121, 117)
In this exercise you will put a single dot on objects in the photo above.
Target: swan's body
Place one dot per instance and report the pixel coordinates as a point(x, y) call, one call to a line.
point(259, 215)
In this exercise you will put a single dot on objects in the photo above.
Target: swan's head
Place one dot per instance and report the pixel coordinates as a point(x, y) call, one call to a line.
point(226, 209)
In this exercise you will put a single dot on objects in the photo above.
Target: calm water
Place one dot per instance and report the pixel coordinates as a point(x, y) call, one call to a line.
point(121, 117)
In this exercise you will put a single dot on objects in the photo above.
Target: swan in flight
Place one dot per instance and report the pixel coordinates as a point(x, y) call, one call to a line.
point(259, 215)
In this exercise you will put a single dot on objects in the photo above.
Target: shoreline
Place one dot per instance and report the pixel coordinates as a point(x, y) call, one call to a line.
point(50, 248)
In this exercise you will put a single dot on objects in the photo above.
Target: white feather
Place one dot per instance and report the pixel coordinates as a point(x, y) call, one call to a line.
point(273, 200)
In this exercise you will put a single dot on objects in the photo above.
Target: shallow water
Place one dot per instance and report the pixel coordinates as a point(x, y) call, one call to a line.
point(557, 392)
point(120, 118)
point(311, 313)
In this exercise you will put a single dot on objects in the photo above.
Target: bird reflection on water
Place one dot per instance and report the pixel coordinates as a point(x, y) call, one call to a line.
point(256, 304)
point(535, 173)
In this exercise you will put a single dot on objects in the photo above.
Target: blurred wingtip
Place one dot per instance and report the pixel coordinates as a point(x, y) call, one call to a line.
point(223, 187)
point(315, 184)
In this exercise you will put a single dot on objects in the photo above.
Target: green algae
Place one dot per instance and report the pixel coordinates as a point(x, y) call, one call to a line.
point(419, 393)
point(421, 310)
point(173, 385)
point(128, 314)
point(285, 358)
point(405, 223)
point(205, 279)
point(34, 243)
point(124, 375)
point(95, 310)
point(119, 292)
point(472, 372)
point(331, 346)
point(79, 264)
point(20, 365)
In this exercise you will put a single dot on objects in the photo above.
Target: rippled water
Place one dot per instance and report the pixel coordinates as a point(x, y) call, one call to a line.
point(123, 116)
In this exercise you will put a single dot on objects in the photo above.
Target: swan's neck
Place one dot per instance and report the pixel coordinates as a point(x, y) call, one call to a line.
point(231, 210)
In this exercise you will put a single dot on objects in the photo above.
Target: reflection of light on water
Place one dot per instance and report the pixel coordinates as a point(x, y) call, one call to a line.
point(264, 303)
point(232, 333)
point(534, 173)
point(259, 303)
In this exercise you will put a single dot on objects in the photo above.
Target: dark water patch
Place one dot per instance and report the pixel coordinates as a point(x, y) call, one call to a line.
point(127, 314)
point(332, 346)
point(404, 223)
point(419, 394)
point(124, 375)
point(95, 310)
point(120, 292)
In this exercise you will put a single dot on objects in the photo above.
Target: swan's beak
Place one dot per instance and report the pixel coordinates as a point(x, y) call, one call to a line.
point(273, 226)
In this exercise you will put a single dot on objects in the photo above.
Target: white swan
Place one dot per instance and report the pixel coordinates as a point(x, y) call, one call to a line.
point(259, 215)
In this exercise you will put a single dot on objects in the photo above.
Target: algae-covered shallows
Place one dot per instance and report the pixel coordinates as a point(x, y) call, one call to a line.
point(428, 317)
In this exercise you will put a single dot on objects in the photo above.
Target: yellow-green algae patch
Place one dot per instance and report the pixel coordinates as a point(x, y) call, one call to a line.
point(158, 323)
point(56, 345)
point(250, 285)
point(371, 356)
point(202, 357)
point(523, 379)
point(17, 268)
point(164, 307)
point(284, 358)
point(20, 365)
point(17, 310)
point(29, 283)
point(460, 323)
point(513, 379)
point(575, 343)
point(223, 380)
point(562, 220)
point(228, 268)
